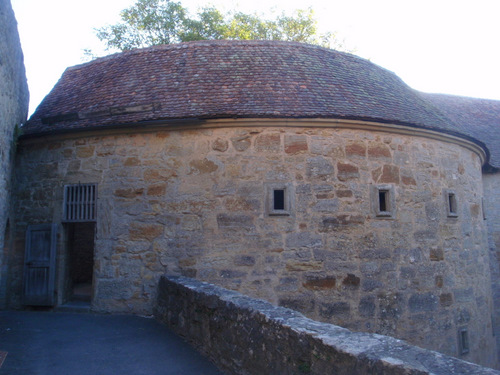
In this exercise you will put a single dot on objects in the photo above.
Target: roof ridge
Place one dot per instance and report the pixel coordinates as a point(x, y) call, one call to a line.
point(211, 43)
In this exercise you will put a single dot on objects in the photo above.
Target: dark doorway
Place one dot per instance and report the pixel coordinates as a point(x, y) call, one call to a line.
point(81, 239)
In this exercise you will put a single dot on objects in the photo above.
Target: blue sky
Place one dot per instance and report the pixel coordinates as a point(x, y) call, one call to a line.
point(440, 46)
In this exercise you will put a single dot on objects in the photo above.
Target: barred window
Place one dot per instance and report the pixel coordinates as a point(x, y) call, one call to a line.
point(80, 203)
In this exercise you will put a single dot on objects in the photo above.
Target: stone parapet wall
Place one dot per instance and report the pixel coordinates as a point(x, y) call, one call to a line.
point(196, 202)
point(247, 336)
point(13, 112)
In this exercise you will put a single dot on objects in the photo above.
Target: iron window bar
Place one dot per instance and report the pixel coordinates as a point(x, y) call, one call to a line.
point(80, 203)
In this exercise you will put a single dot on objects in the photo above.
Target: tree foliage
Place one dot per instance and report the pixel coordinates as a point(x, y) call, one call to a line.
point(152, 22)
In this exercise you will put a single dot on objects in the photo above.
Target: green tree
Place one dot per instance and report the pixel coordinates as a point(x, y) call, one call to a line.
point(152, 22)
point(147, 23)
point(210, 24)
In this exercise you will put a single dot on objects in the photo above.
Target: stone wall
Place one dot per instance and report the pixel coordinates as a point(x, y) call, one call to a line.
point(197, 203)
point(13, 112)
point(248, 336)
point(492, 216)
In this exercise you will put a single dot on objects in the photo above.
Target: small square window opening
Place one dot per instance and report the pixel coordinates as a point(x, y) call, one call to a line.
point(279, 200)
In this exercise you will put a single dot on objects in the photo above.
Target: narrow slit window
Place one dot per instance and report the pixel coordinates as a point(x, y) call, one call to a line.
point(451, 203)
point(463, 338)
point(80, 203)
point(383, 201)
point(278, 199)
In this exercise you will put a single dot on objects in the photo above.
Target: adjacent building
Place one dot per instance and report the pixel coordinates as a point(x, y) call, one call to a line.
point(13, 112)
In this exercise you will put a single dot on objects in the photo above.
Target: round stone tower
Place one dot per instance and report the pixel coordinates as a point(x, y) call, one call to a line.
point(304, 176)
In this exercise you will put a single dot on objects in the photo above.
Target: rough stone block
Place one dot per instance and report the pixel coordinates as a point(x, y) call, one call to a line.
point(295, 144)
point(425, 235)
point(158, 175)
point(244, 260)
point(462, 316)
point(202, 166)
point(220, 145)
point(319, 168)
point(156, 190)
point(326, 205)
point(336, 309)
point(367, 306)
point(241, 143)
point(344, 193)
point(236, 203)
point(322, 283)
point(287, 284)
point(145, 231)
point(391, 305)
point(463, 295)
point(390, 174)
point(436, 254)
point(232, 274)
point(369, 285)
point(346, 171)
point(303, 239)
point(268, 142)
point(351, 280)
point(129, 193)
point(439, 281)
point(426, 302)
point(131, 162)
point(370, 268)
point(85, 151)
point(379, 151)
point(446, 299)
point(372, 254)
point(244, 222)
point(298, 266)
point(355, 149)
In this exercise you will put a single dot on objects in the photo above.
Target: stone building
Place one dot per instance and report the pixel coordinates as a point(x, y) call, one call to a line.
point(13, 112)
point(311, 178)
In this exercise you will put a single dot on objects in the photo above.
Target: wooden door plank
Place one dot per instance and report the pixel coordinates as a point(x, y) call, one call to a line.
point(40, 264)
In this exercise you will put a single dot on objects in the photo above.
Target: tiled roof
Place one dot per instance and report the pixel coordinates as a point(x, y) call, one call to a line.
point(478, 118)
point(231, 79)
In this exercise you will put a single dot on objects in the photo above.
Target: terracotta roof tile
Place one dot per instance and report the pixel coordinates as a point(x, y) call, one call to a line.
point(221, 79)
point(478, 118)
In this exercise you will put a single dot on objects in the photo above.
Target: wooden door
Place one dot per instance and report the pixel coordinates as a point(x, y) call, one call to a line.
point(40, 265)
